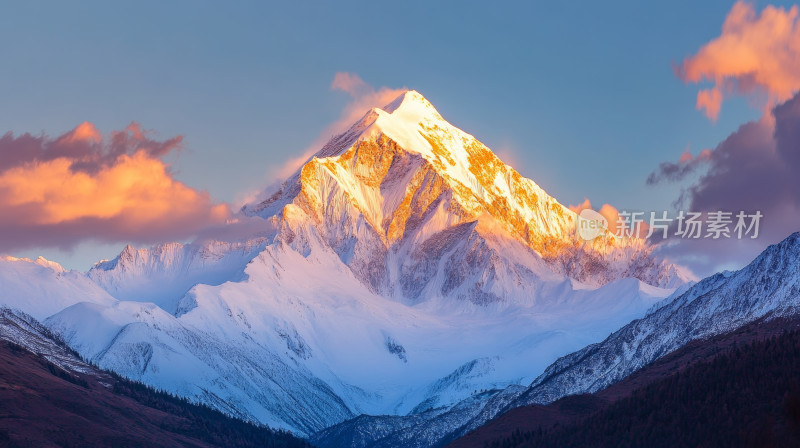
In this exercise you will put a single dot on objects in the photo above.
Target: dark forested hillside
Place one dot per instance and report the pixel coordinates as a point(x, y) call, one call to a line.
point(737, 390)
point(45, 405)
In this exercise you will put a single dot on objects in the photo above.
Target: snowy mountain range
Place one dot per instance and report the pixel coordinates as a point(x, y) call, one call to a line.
point(403, 271)
point(766, 289)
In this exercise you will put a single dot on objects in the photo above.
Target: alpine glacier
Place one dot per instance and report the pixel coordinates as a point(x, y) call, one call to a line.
point(402, 270)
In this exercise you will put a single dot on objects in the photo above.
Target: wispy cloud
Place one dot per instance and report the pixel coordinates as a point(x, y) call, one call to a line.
point(673, 172)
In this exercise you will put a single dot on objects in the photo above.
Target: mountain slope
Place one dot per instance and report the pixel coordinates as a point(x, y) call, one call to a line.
point(768, 286)
point(736, 389)
point(50, 397)
point(765, 289)
point(42, 288)
point(165, 273)
point(583, 411)
point(234, 374)
point(335, 340)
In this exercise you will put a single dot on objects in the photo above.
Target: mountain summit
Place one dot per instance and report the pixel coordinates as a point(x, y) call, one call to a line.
point(403, 181)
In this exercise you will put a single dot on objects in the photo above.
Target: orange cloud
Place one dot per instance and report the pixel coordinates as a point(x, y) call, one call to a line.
point(710, 101)
point(84, 132)
point(640, 226)
point(582, 206)
point(754, 54)
point(128, 195)
point(612, 216)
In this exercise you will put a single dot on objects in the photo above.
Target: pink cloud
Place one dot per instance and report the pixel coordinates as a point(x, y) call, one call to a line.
point(754, 54)
point(348, 82)
point(685, 156)
point(57, 192)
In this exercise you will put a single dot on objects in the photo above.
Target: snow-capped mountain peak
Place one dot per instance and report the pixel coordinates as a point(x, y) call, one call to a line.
point(413, 106)
point(409, 175)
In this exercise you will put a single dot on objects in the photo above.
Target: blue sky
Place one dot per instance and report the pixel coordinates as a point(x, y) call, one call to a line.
point(581, 96)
